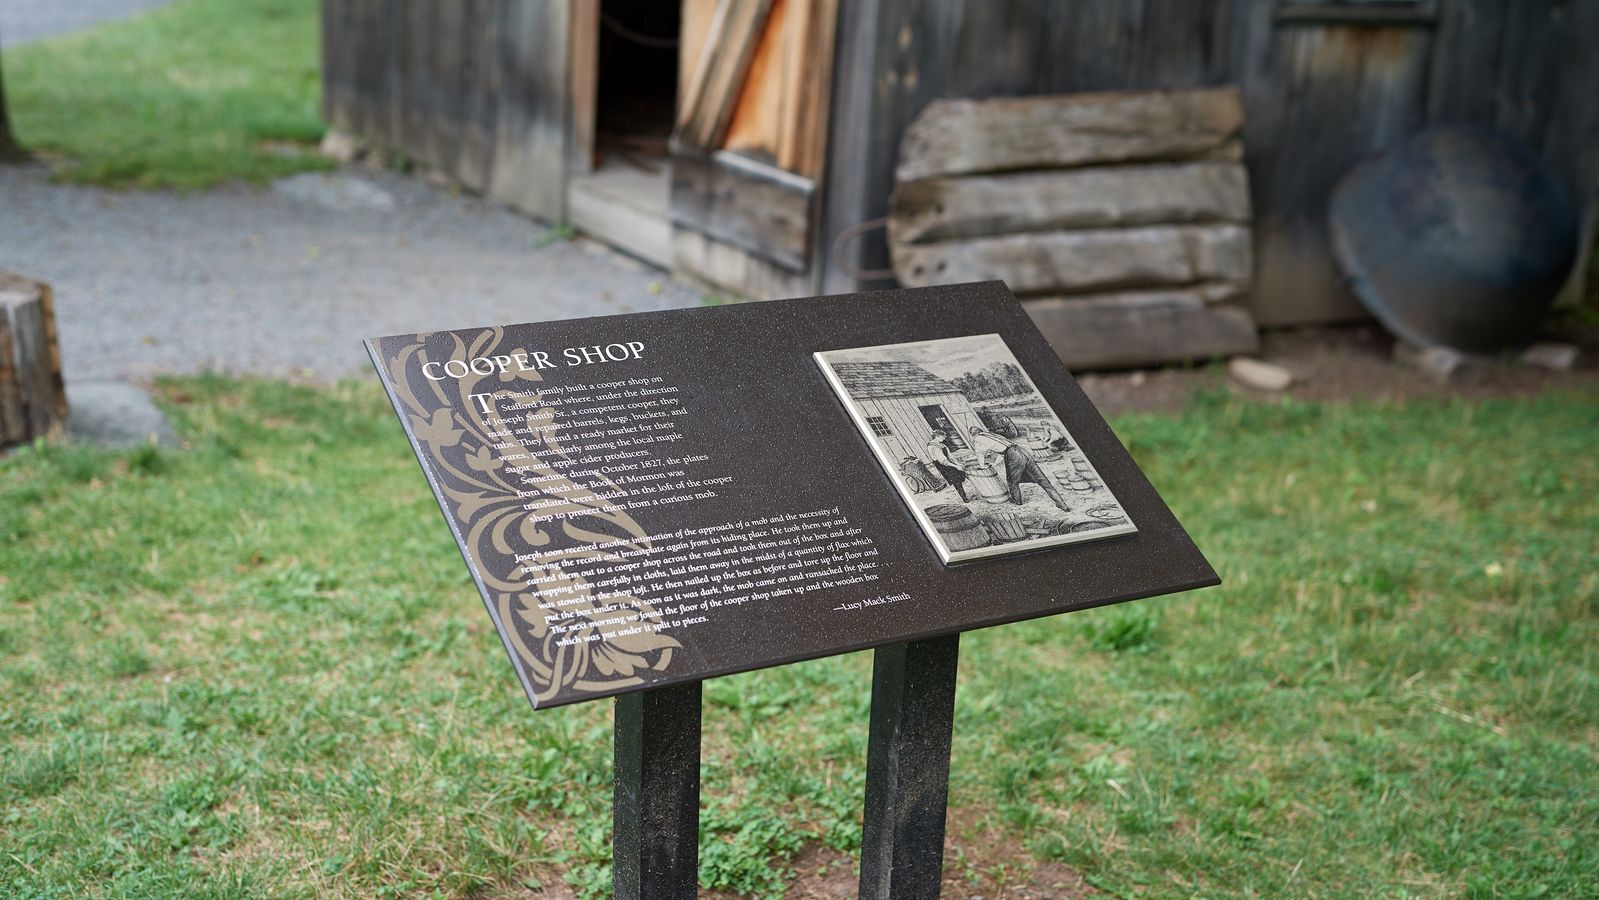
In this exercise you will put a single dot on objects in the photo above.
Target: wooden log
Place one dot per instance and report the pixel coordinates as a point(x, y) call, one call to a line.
point(966, 137)
point(33, 396)
point(1065, 262)
point(943, 209)
point(1140, 329)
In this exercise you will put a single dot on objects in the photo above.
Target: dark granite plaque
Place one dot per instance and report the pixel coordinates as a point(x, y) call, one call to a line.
point(663, 497)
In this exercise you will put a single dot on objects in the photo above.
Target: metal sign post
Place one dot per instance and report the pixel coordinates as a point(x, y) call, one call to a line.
point(655, 848)
point(655, 842)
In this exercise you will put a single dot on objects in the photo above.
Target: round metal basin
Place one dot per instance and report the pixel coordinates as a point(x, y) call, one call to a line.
point(1458, 237)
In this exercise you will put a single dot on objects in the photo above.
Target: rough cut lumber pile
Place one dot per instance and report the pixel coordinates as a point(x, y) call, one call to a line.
point(1121, 219)
point(33, 398)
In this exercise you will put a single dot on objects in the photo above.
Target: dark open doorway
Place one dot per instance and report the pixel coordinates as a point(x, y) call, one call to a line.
point(623, 196)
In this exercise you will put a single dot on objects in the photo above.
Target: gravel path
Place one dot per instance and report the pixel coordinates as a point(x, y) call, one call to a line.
point(22, 21)
point(286, 281)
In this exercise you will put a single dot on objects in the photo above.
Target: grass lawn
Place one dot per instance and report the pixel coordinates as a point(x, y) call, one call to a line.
point(257, 667)
point(184, 97)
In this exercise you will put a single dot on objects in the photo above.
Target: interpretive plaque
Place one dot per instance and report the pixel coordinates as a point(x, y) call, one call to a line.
point(662, 497)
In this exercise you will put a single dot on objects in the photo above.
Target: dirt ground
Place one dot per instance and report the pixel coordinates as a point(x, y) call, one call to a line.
point(1338, 364)
point(1006, 871)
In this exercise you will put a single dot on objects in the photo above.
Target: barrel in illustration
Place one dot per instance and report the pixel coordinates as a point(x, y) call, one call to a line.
point(1006, 527)
point(958, 527)
point(1041, 451)
point(990, 485)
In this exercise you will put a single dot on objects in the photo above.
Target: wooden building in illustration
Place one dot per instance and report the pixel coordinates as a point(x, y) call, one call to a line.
point(753, 144)
point(902, 403)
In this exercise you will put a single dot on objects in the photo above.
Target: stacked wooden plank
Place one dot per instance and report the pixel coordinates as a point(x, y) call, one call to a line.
point(33, 398)
point(1122, 219)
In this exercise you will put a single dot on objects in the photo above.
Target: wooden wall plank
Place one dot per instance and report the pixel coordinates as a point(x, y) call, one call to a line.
point(478, 103)
point(415, 88)
point(694, 30)
point(449, 50)
point(1141, 329)
point(370, 80)
point(434, 94)
point(804, 143)
point(963, 137)
point(1371, 81)
point(392, 117)
point(585, 86)
point(531, 124)
point(762, 111)
point(333, 57)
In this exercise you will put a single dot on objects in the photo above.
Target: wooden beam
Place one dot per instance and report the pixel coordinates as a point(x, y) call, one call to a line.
point(943, 209)
point(1141, 329)
point(749, 204)
point(1066, 262)
point(761, 113)
point(585, 82)
point(804, 145)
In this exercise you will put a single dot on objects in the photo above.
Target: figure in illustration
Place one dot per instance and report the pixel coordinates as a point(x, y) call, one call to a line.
point(1019, 465)
point(1054, 437)
point(938, 455)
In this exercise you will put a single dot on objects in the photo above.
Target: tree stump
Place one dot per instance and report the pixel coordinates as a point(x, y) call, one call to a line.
point(33, 396)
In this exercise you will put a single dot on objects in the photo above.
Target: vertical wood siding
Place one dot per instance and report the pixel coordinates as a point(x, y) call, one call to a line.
point(1320, 94)
point(476, 88)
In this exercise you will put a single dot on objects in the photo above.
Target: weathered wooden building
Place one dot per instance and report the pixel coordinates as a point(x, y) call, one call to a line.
point(737, 141)
point(903, 403)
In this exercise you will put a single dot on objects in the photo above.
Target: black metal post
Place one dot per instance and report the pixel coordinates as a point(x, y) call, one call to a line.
point(655, 845)
point(907, 769)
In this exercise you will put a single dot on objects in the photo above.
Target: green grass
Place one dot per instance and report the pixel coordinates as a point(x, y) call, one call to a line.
point(257, 667)
point(184, 97)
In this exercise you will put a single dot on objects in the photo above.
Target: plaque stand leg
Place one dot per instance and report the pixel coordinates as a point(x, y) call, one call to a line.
point(907, 769)
point(655, 845)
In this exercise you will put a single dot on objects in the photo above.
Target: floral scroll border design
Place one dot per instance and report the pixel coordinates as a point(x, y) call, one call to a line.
point(582, 528)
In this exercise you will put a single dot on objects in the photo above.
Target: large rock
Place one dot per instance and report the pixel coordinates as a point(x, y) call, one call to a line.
point(113, 414)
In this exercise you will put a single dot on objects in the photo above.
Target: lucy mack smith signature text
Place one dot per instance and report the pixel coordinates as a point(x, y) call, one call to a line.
point(874, 601)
